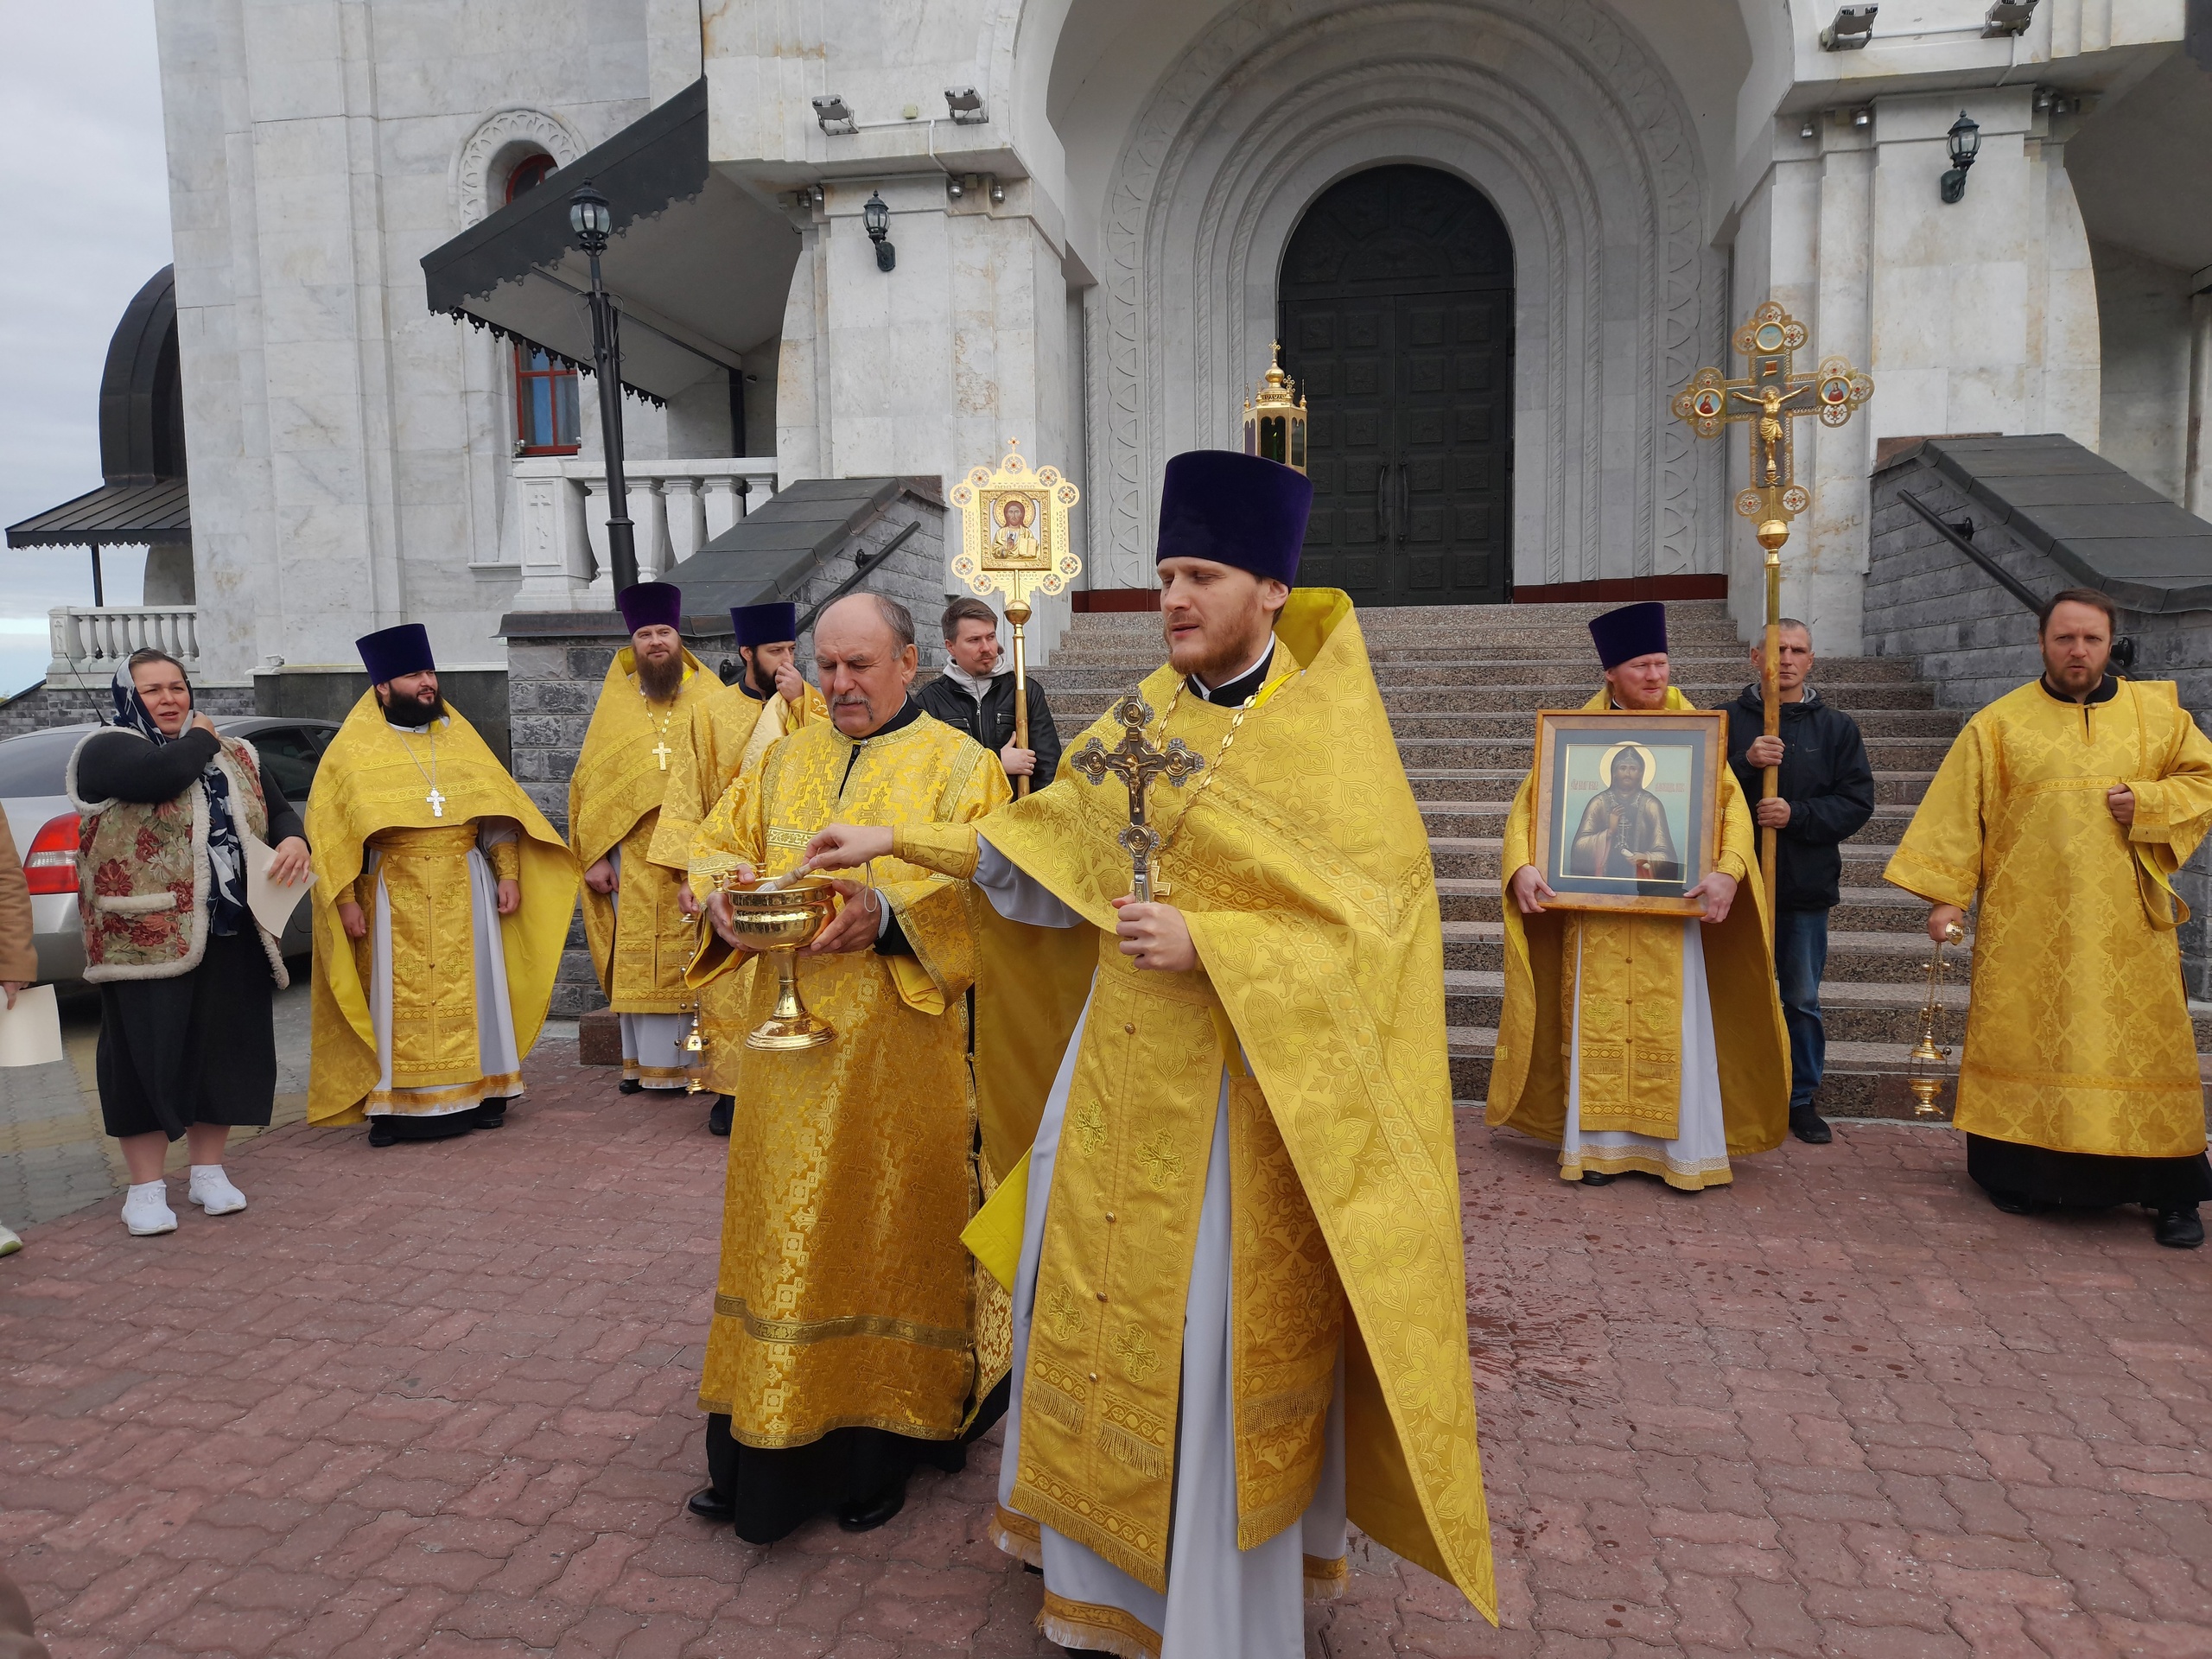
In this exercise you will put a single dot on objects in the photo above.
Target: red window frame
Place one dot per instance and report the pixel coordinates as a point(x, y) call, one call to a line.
point(542, 386)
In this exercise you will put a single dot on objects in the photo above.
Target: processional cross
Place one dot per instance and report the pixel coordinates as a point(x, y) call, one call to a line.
point(1136, 763)
point(1767, 402)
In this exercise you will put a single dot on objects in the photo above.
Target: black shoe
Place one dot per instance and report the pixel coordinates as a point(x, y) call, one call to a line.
point(1596, 1178)
point(489, 1114)
point(2179, 1229)
point(1811, 1128)
point(629, 1086)
point(866, 1517)
point(720, 1115)
point(710, 1505)
point(2013, 1203)
point(380, 1134)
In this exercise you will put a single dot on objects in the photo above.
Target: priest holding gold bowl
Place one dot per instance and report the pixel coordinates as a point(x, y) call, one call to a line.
point(853, 1335)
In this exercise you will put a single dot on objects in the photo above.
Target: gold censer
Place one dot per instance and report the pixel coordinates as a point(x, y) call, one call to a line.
point(779, 919)
point(1926, 1068)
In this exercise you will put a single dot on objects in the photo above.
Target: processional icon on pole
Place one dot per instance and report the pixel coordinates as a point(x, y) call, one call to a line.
point(1014, 542)
point(1767, 402)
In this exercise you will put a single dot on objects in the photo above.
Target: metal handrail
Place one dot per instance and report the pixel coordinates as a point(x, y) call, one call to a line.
point(2123, 646)
point(862, 569)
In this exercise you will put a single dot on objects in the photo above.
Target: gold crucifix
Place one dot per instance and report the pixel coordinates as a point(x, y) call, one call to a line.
point(1136, 763)
point(660, 751)
point(1771, 398)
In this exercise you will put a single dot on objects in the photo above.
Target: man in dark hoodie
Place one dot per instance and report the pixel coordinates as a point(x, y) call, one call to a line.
point(1824, 796)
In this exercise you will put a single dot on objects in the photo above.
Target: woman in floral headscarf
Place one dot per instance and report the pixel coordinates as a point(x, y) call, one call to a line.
point(187, 1047)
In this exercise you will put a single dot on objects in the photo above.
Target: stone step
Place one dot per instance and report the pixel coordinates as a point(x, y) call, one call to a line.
point(1556, 659)
point(1071, 714)
point(1861, 957)
point(1426, 754)
point(1866, 910)
point(1448, 817)
point(1498, 784)
point(1445, 690)
point(1476, 858)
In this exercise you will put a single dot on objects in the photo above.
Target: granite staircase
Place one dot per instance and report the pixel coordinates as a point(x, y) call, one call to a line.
point(1461, 685)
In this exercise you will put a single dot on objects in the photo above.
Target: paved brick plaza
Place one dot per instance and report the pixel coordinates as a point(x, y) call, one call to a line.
point(439, 1400)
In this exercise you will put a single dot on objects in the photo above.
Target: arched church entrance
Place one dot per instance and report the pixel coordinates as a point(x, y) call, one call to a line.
point(1396, 315)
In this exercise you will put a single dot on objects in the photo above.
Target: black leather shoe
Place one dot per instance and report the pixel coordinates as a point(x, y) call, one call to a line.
point(1596, 1178)
point(866, 1517)
point(380, 1134)
point(2013, 1203)
point(2179, 1229)
point(490, 1115)
point(1811, 1128)
point(710, 1505)
point(629, 1086)
point(719, 1113)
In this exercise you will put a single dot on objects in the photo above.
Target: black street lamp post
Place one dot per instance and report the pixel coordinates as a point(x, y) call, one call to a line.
point(590, 220)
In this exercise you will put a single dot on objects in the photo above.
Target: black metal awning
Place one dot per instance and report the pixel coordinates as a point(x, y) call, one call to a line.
point(699, 267)
point(115, 515)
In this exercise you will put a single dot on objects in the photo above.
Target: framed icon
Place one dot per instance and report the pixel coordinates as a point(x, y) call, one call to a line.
point(1628, 807)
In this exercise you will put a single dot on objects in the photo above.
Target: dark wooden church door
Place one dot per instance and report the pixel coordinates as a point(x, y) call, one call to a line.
point(1397, 308)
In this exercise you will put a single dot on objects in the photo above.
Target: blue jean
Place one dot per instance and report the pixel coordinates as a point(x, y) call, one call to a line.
point(1801, 956)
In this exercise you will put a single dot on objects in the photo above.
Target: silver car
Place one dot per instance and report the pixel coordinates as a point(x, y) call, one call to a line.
point(34, 797)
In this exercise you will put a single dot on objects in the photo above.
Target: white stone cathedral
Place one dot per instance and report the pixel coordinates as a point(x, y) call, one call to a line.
point(1493, 236)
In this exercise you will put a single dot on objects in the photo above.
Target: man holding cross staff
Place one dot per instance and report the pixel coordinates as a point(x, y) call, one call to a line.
point(1233, 1238)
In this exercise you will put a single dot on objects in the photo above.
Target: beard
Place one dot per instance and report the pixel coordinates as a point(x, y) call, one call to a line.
point(662, 680)
point(412, 713)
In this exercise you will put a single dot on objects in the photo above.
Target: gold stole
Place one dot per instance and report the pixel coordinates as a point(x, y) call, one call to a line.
point(1104, 1372)
point(425, 876)
point(1628, 993)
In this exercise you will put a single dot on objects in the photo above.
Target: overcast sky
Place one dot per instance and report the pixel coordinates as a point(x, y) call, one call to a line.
point(84, 193)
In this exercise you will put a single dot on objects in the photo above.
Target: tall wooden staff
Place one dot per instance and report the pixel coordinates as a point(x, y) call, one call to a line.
point(1767, 402)
point(1014, 542)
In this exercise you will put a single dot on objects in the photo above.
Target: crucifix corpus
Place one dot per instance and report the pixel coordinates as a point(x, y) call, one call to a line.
point(1767, 402)
point(1014, 542)
point(1136, 762)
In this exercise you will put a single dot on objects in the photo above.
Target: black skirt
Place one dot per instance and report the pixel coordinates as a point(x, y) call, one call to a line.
point(2088, 1180)
point(776, 1492)
point(199, 1048)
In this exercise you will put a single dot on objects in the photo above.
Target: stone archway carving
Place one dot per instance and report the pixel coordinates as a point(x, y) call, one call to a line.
point(1559, 116)
point(478, 163)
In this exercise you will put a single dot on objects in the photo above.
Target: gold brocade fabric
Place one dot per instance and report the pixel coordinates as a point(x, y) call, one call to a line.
point(845, 1297)
point(1630, 994)
point(1303, 872)
point(425, 876)
point(371, 781)
point(639, 939)
point(2078, 1034)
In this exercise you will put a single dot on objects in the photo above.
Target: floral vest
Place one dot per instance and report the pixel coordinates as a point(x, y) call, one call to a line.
point(142, 873)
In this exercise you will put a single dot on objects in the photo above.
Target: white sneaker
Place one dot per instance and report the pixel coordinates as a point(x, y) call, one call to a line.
point(213, 1191)
point(146, 1209)
point(9, 1242)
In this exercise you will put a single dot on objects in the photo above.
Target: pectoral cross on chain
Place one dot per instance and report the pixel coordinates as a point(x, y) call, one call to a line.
point(1136, 763)
point(437, 802)
point(660, 752)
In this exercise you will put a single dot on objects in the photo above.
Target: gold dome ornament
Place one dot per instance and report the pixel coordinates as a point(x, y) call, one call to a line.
point(1274, 416)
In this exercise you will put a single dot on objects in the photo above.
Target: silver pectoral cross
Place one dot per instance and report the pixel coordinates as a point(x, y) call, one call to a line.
point(1136, 763)
point(437, 802)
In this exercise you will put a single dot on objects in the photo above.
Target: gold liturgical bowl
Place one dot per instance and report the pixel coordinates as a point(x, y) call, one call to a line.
point(777, 920)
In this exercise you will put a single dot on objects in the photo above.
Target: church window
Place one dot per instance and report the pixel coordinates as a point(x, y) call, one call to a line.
point(546, 422)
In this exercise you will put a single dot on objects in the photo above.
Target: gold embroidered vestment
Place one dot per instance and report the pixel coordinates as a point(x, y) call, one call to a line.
point(2078, 1034)
point(845, 1297)
point(1303, 872)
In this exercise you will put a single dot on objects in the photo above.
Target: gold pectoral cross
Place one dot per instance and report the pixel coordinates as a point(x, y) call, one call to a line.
point(660, 752)
point(1136, 763)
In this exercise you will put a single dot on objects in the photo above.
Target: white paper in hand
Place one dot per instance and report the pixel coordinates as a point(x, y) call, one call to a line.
point(271, 902)
point(30, 1033)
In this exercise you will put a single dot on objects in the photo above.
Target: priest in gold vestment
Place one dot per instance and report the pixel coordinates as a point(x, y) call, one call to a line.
point(1235, 1244)
point(2068, 805)
point(728, 731)
point(853, 1336)
point(640, 939)
point(1631, 1042)
point(441, 902)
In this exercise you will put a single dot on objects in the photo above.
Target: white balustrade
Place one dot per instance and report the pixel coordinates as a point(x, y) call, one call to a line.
point(558, 507)
point(90, 641)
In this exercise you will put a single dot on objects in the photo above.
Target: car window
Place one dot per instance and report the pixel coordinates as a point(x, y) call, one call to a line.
point(288, 754)
point(37, 763)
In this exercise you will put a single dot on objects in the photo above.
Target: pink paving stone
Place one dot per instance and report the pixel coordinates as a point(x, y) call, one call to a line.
point(1842, 1408)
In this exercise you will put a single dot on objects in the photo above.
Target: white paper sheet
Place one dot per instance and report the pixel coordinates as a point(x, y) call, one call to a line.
point(271, 902)
point(30, 1033)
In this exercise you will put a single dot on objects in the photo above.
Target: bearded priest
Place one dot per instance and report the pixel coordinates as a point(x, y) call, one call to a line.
point(1634, 1042)
point(442, 901)
point(730, 729)
point(1234, 1236)
point(853, 1336)
point(639, 939)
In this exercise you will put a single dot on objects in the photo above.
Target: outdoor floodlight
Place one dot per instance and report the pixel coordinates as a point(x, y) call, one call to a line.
point(1806, 129)
point(998, 191)
point(953, 188)
point(967, 106)
point(875, 213)
point(829, 110)
point(1852, 28)
point(2008, 17)
point(1966, 144)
